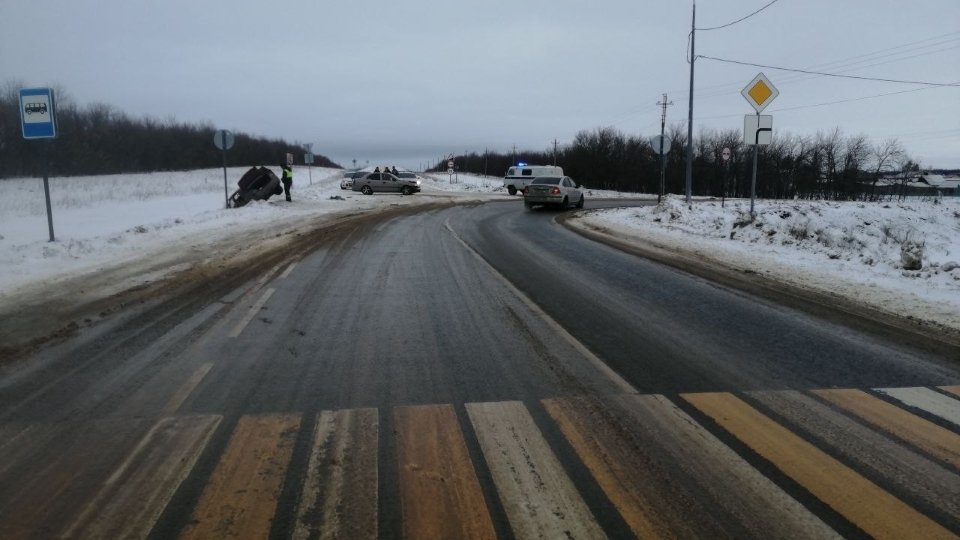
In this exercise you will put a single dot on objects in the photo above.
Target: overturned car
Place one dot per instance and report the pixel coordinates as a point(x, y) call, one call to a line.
point(257, 184)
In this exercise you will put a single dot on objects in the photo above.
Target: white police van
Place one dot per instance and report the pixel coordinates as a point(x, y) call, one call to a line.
point(519, 176)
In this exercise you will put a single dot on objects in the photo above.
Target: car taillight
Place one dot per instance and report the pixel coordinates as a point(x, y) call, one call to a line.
point(556, 191)
point(526, 191)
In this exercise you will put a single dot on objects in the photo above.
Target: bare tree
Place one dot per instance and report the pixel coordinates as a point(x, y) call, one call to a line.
point(885, 155)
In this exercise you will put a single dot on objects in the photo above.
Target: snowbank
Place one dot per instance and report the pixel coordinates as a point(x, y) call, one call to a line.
point(851, 249)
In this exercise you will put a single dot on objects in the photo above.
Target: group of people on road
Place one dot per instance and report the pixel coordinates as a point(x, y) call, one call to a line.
point(391, 170)
point(287, 176)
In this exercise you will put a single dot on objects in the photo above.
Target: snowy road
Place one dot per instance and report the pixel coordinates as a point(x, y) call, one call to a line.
point(477, 372)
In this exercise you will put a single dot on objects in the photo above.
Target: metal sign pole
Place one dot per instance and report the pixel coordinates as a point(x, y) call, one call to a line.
point(223, 142)
point(46, 184)
point(663, 167)
point(753, 179)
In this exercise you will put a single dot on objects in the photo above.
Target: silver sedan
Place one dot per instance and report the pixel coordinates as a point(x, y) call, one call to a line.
point(560, 192)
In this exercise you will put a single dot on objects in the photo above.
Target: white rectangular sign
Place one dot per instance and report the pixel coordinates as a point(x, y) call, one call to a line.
point(758, 129)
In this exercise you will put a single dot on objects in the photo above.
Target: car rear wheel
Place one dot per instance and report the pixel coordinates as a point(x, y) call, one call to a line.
point(529, 205)
point(512, 190)
point(366, 190)
point(564, 204)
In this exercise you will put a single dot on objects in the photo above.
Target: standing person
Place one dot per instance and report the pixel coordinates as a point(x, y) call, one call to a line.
point(287, 179)
point(394, 171)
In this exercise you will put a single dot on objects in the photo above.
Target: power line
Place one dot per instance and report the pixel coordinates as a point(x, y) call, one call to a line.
point(826, 103)
point(739, 20)
point(842, 60)
point(825, 74)
point(800, 78)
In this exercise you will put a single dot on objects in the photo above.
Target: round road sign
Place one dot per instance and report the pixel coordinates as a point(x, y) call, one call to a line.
point(655, 143)
point(450, 163)
point(450, 170)
point(725, 154)
point(223, 139)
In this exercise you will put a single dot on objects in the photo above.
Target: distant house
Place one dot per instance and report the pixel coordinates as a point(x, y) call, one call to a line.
point(947, 186)
point(919, 185)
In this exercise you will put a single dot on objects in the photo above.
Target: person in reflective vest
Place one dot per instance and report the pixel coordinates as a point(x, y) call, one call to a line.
point(287, 179)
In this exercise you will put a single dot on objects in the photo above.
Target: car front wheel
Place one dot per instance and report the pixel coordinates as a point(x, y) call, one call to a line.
point(406, 190)
point(366, 190)
point(580, 202)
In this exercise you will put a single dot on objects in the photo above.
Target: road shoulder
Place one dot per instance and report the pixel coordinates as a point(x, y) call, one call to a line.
point(917, 334)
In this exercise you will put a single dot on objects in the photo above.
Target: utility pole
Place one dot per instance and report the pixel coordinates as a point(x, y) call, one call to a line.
point(514, 154)
point(663, 162)
point(554, 151)
point(485, 155)
point(693, 57)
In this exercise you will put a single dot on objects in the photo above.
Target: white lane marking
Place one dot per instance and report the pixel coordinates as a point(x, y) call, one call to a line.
point(538, 497)
point(267, 276)
point(288, 270)
point(927, 400)
point(339, 497)
point(129, 508)
point(186, 389)
point(252, 313)
point(614, 377)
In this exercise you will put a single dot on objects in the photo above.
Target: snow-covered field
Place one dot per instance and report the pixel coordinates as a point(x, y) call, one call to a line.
point(846, 248)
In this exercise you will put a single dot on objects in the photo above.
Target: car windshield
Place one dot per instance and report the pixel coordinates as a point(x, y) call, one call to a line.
point(546, 180)
point(407, 175)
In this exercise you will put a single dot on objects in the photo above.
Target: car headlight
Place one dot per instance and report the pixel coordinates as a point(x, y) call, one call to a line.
point(418, 182)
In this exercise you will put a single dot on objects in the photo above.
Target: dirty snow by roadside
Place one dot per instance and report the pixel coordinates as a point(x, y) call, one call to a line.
point(850, 249)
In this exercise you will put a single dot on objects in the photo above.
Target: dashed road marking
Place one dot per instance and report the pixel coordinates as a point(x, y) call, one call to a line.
point(186, 389)
point(288, 270)
point(252, 313)
point(135, 495)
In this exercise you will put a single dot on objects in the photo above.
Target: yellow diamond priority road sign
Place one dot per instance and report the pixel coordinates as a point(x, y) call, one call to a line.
point(760, 92)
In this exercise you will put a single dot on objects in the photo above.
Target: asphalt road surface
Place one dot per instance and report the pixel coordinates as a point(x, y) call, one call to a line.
point(477, 372)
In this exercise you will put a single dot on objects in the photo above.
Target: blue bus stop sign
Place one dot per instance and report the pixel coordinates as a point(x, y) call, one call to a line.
point(38, 113)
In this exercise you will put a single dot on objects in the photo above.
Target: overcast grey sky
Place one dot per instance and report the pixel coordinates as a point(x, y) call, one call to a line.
point(409, 81)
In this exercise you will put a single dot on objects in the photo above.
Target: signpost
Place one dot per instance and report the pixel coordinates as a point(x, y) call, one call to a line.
point(450, 168)
point(223, 140)
point(759, 93)
point(725, 154)
point(308, 159)
point(38, 119)
point(661, 143)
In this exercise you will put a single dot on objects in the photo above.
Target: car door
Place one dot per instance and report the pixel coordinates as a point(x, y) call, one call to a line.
point(373, 180)
point(390, 183)
point(566, 186)
point(576, 192)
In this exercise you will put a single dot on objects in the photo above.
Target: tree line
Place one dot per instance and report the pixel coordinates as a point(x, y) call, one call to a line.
point(99, 139)
point(827, 165)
